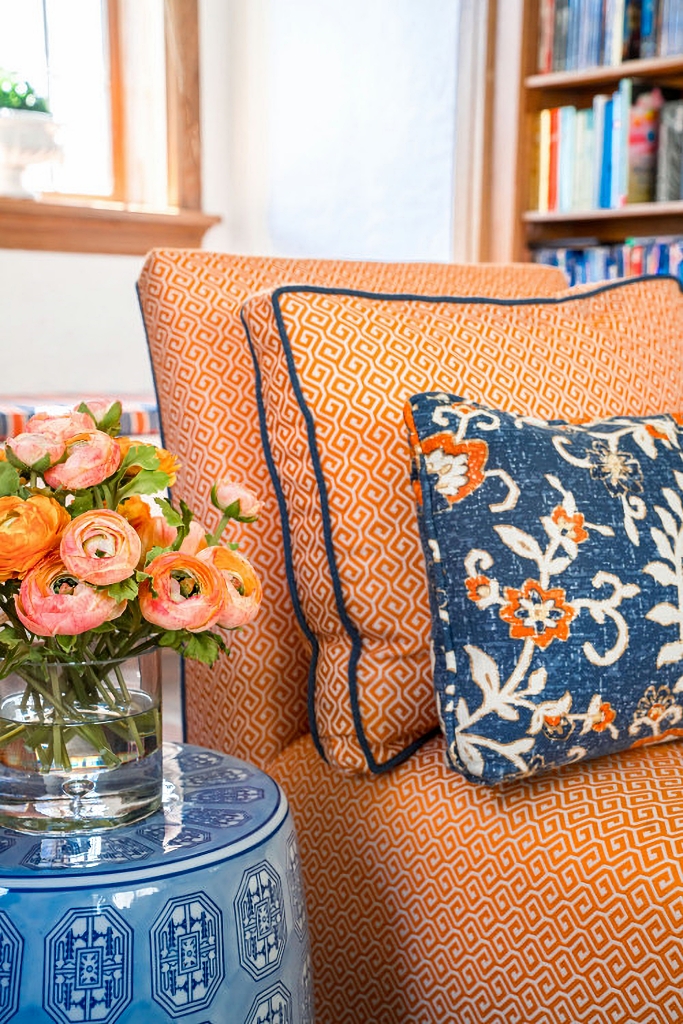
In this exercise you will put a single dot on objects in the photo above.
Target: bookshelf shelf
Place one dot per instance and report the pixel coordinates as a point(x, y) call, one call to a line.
point(634, 211)
point(660, 68)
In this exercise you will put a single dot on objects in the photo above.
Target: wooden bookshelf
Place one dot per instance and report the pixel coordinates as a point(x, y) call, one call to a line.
point(560, 88)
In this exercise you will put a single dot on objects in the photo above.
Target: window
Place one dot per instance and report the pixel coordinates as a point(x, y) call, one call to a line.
point(121, 79)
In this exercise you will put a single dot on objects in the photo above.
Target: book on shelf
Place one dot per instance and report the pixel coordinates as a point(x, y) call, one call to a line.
point(669, 169)
point(612, 153)
point(585, 260)
point(643, 134)
point(576, 34)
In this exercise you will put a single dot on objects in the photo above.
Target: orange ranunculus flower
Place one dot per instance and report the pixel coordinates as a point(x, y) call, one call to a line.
point(52, 602)
point(90, 458)
point(61, 427)
point(168, 462)
point(100, 547)
point(243, 585)
point(28, 531)
point(183, 593)
point(152, 530)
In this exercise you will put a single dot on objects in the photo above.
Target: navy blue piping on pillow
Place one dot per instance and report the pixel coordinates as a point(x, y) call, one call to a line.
point(286, 540)
point(352, 631)
point(183, 715)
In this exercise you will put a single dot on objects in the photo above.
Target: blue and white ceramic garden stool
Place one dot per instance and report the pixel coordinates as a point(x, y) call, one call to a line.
point(195, 914)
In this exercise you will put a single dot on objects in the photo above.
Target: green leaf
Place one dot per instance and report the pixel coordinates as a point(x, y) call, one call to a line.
point(83, 503)
point(126, 590)
point(67, 643)
point(111, 421)
point(152, 554)
point(146, 482)
point(8, 637)
point(9, 480)
point(172, 517)
point(184, 528)
point(143, 455)
point(204, 647)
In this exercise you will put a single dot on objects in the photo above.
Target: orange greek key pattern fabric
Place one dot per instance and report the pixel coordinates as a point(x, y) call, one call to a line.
point(254, 703)
point(554, 901)
point(336, 369)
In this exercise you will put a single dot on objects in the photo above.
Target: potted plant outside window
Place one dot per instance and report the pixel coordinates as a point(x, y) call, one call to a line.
point(27, 133)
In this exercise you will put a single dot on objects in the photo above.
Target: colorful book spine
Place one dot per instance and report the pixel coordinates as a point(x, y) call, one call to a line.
point(566, 159)
point(594, 263)
point(648, 29)
point(545, 36)
point(599, 103)
point(606, 163)
point(543, 160)
point(643, 130)
point(553, 169)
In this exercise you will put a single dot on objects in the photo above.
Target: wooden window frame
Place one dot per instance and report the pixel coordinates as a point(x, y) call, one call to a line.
point(80, 224)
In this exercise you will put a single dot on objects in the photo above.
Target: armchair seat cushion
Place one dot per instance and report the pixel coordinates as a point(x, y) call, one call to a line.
point(548, 901)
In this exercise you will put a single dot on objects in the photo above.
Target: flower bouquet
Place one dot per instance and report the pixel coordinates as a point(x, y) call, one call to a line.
point(98, 571)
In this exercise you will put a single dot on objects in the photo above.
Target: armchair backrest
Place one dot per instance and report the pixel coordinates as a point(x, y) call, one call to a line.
point(255, 703)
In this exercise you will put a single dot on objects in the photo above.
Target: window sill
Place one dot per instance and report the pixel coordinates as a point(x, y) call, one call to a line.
point(63, 225)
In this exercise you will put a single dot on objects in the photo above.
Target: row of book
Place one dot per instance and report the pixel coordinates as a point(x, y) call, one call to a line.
point(587, 261)
point(625, 148)
point(575, 34)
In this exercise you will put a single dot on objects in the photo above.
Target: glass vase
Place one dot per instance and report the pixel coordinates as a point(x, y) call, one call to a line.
point(80, 744)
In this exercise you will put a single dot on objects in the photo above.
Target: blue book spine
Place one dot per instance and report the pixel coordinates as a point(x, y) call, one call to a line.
point(606, 168)
point(648, 29)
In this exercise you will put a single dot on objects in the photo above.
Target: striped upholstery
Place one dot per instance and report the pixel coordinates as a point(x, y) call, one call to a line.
point(139, 415)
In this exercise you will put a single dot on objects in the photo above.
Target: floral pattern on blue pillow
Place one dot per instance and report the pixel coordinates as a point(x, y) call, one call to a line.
point(555, 563)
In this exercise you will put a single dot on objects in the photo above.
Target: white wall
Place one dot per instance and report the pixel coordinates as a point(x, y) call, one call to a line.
point(327, 130)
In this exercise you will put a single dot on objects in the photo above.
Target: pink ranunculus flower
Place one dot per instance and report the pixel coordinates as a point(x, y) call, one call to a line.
point(153, 530)
point(91, 458)
point(52, 602)
point(226, 492)
point(100, 547)
point(182, 593)
point(99, 407)
point(61, 426)
point(195, 540)
point(243, 585)
point(31, 448)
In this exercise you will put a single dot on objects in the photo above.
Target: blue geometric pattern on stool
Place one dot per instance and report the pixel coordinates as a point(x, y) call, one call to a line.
point(200, 759)
point(296, 887)
point(216, 818)
point(260, 917)
point(11, 951)
point(218, 775)
point(187, 954)
point(226, 795)
point(79, 851)
point(88, 966)
point(183, 838)
point(274, 1006)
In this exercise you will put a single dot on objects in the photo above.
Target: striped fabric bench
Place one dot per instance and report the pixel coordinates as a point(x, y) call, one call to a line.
point(139, 418)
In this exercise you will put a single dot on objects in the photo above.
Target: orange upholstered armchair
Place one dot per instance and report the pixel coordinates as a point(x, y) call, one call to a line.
point(430, 899)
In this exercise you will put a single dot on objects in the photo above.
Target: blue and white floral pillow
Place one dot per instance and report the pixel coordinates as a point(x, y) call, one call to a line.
point(555, 562)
